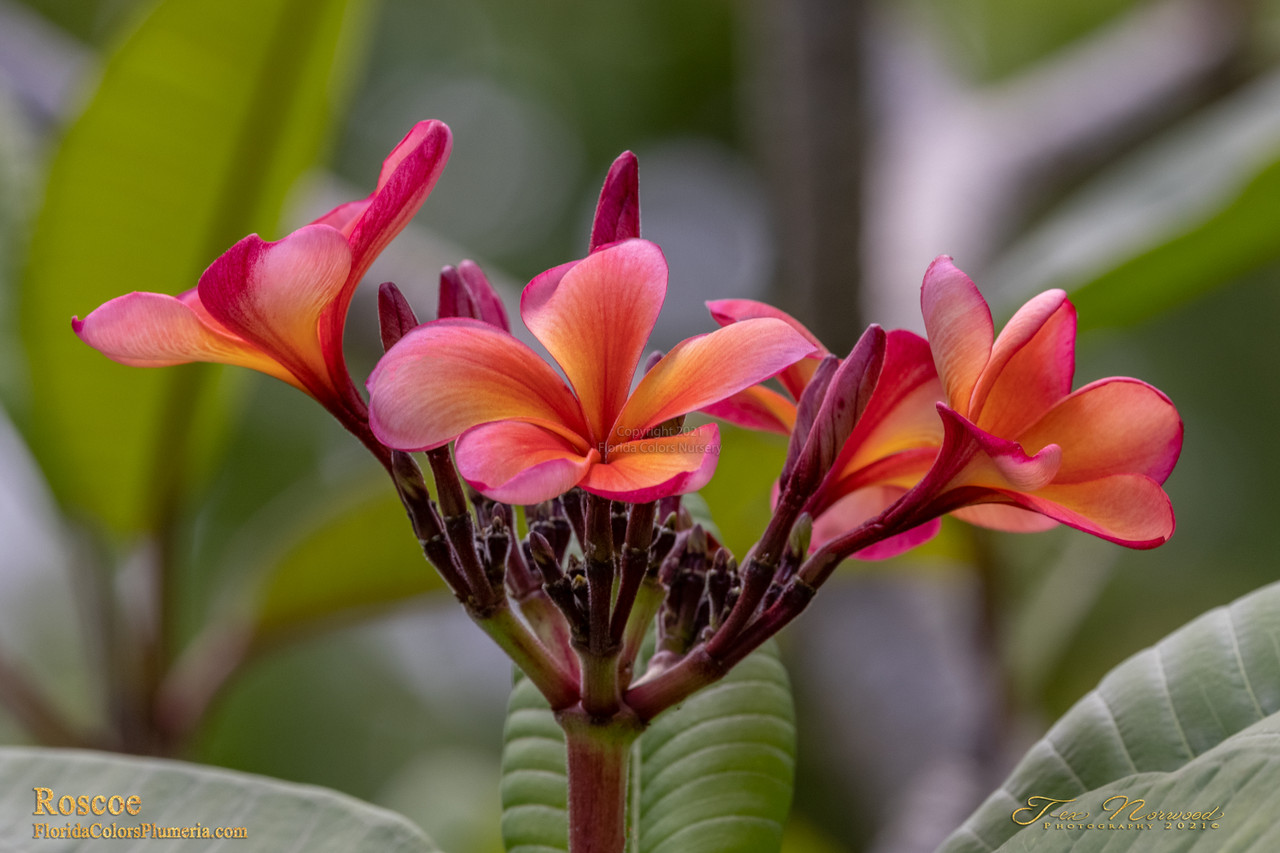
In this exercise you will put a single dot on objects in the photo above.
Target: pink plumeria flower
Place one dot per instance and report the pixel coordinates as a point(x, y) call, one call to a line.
point(1021, 450)
point(892, 446)
point(524, 435)
point(280, 308)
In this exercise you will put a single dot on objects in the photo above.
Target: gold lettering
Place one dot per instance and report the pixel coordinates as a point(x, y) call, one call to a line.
point(1123, 801)
point(44, 801)
point(133, 805)
point(1032, 804)
point(115, 805)
point(99, 805)
point(82, 804)
point(70, 806)
point(1137, 804)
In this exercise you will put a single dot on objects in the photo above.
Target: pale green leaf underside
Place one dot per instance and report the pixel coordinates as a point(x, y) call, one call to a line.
point(715, 773)
point(279, 817)
point(1190, 719)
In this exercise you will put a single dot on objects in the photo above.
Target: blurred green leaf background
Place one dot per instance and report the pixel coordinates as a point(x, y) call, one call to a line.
point(816, 153)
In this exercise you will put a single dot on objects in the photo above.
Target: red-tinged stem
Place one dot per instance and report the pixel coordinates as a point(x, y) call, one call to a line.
point(598, 767)
point(36, 713)
point(635, 561)
point(460, 529)
point(600, 691)
point(758, 570)
point(552, 679)
point(412, 489)
point(552, 628)
point(653, 695)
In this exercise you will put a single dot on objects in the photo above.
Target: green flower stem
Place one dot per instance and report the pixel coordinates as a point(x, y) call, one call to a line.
point(554, 681)
point(647, 604)
point(598, 767)
point(551, 627)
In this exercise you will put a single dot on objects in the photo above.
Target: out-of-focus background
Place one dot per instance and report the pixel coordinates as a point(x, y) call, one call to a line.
point(815, 153)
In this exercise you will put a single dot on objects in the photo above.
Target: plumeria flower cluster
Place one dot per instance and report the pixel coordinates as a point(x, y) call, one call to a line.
point(594, 448)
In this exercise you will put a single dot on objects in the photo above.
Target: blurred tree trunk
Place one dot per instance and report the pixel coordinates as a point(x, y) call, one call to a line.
point(805, 104)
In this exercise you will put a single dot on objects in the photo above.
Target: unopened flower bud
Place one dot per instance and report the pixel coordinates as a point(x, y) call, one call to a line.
point(395, 316)
point(844, 396)
point(618, 211)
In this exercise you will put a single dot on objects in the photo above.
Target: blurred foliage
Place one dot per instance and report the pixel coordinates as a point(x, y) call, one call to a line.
point(203, 120)
point(994, 39)
point(208, 112)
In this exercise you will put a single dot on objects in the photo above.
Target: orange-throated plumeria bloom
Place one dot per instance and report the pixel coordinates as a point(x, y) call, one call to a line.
point(524, 436)
point(890, 449)
point(1021, 450)
point(993, 435)
point(280, 307)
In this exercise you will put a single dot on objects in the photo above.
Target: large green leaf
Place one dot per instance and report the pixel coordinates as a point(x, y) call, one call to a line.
point(1189, 720)
point(203, 119)
point(1224, 801)
point(353, 555)
point(275, 815)
point(715, 773)
point(1187, 213)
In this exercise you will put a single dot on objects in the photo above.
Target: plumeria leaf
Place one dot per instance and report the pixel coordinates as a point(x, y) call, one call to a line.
point(204, 118)
point(1188, 724)
point(275, 815)
point(714, 773)
point(355, 555)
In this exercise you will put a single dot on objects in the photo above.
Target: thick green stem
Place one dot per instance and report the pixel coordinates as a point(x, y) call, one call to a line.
point(552, 679)
point(598, 756)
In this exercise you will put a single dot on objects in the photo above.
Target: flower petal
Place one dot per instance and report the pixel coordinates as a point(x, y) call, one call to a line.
point(595, 317)
point(273, 294)
point(708, 368)
point(959, 327)
point(1128, 509)
point(447, 376)
point(1006, 517)
point(1112, 426)
point(520, 463)
point(652, 468)
point(795, 377)
point(155, 330)
point(1031, 366)
point(757, 408)
point(407, 177)
point(971, 458)
point(861, 505)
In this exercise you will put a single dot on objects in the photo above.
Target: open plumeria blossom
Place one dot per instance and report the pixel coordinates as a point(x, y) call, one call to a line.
point(987, 428)
point(280, 308)
point(524, 436)
point(883, 442)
